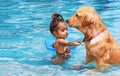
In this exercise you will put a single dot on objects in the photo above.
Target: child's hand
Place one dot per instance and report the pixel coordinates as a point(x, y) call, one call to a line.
point(77, 43)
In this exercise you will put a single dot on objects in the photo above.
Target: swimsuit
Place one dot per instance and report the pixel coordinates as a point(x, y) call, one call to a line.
point(66, 53)
point(61, 58)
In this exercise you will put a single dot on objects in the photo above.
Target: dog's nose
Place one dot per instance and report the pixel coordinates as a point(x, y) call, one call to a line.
point(67, 21)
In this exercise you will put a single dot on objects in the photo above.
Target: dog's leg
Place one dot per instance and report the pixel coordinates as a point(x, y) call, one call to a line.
point(102, 64)
point(88, 58)
point(102, 67)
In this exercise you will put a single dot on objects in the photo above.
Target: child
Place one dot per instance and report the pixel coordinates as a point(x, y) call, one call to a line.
point(59, 29)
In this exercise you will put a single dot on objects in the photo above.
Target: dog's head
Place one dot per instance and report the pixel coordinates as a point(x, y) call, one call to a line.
point(84, 19)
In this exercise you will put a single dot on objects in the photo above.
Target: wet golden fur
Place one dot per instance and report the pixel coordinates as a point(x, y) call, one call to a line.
point(102, 49)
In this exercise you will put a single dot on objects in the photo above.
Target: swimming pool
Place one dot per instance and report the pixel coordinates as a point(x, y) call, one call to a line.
point(24, 27)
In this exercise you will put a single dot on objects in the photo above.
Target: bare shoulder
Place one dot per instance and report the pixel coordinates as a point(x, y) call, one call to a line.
point(60, 40)
point(63, 41)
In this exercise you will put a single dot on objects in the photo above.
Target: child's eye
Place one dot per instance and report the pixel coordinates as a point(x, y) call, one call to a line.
point(63, 30)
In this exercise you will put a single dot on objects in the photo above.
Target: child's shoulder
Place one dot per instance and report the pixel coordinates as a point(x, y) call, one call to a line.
point(60, 40)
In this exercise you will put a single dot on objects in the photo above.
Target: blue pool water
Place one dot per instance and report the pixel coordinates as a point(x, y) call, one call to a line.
point(24, 28)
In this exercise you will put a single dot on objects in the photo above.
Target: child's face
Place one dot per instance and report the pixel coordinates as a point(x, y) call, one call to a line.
point(61, 31)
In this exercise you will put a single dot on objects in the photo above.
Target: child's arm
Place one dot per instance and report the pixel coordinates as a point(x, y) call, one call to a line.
point(67, 43)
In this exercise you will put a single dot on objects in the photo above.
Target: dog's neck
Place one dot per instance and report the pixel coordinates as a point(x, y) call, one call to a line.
point(93, 38)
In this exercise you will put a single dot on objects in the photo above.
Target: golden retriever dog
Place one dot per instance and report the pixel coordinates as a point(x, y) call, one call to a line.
point(100, 45)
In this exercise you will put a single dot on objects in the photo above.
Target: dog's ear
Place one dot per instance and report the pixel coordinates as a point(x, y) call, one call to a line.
point(88, 20)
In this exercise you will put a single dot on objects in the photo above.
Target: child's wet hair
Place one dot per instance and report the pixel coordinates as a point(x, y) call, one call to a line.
point(56, 18)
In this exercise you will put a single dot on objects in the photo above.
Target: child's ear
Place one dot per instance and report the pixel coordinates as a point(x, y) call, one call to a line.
point(55, 33)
